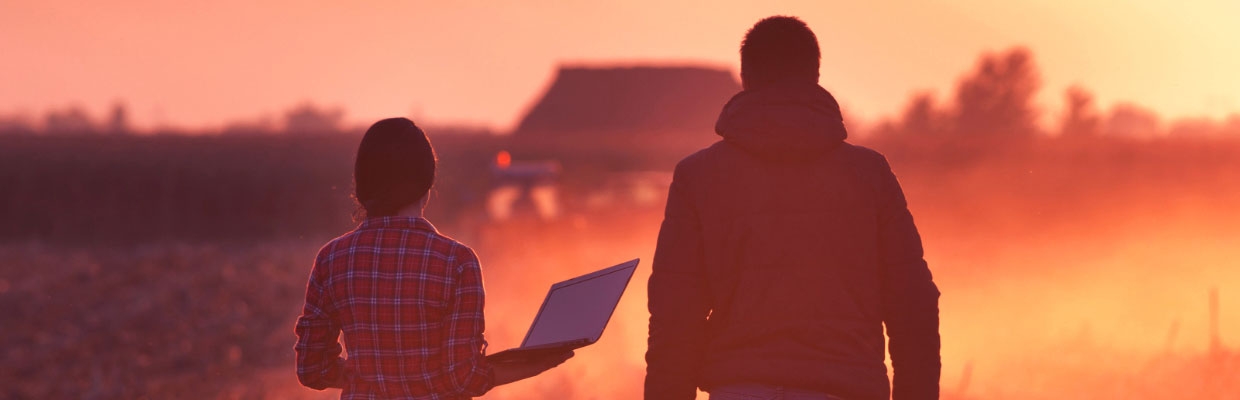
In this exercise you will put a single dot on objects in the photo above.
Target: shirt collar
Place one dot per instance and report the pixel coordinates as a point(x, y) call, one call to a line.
point(398, 222)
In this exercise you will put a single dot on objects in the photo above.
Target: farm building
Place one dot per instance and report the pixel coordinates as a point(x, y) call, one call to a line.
point(617, 115)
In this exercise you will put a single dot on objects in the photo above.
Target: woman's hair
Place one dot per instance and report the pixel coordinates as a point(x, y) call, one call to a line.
point(395, 168)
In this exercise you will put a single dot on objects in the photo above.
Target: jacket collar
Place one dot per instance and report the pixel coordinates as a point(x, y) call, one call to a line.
point(787, 121)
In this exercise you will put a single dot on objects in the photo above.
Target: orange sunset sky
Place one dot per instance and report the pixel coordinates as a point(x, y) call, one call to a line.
point(204, 63)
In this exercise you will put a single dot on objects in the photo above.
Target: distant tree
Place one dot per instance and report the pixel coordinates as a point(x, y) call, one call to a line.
point(458, 130)
point(259, 126)
point(885, 128)
point(16, 124)
point(118, 120)
point(308, 118)
point(997, 98)
point(923, 116)
point(1081, 116)
point(1200, 126)
point(69, 120)
point(1131, 120)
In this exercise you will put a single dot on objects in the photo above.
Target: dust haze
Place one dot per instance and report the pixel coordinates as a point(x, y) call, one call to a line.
point(1091, 257)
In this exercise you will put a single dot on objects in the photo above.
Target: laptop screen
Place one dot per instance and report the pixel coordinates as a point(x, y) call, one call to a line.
point(580, 307)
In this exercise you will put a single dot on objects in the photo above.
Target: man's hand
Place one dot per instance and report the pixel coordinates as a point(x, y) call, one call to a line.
point(511, 371)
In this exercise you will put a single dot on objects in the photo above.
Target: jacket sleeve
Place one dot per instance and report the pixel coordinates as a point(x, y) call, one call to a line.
point(678, 301)
point(910, 297)
point(319, 365)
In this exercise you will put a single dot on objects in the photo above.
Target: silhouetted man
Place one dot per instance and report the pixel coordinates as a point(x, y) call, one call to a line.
point(784, 251)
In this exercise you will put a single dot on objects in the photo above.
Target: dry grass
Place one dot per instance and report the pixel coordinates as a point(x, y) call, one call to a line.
point(1063, 265)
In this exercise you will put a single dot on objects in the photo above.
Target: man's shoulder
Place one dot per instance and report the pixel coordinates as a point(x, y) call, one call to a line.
point(707, 160)
point(721, 150)
point(864, 157)
point(861, 152)
point(701, 159)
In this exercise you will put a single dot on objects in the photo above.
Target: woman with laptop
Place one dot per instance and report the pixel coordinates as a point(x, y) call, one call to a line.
point(408, 299)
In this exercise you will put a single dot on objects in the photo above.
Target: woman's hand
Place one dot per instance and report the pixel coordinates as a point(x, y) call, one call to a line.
point(511, 371)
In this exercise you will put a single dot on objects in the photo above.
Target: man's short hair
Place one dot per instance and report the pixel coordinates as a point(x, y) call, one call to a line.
point(776, 49)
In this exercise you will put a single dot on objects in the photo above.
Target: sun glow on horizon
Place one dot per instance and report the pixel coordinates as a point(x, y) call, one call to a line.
point(205, 65)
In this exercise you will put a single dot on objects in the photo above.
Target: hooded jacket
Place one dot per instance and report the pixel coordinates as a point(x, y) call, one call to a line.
point(782, 254)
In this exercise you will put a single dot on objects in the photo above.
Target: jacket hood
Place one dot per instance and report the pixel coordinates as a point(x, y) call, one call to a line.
point(791, 122)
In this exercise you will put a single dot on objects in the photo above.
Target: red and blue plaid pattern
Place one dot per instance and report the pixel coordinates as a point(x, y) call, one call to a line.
point(409, 302)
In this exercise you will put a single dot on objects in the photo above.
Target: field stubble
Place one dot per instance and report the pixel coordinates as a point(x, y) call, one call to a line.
point(1070, 269)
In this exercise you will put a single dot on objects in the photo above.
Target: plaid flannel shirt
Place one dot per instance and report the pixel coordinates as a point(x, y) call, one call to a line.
point(409, 302)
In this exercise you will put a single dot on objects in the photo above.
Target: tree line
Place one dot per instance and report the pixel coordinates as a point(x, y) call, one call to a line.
point(303, 118)
point(996, 100)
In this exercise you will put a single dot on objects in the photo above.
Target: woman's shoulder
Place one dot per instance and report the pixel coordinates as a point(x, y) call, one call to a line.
point(462, 256)
point(333, 247)
point(433, 246)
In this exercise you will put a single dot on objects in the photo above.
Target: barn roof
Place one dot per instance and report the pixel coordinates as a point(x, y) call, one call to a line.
point(630, 99)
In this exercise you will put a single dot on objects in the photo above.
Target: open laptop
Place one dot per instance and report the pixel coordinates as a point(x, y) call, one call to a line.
point(574, 313)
